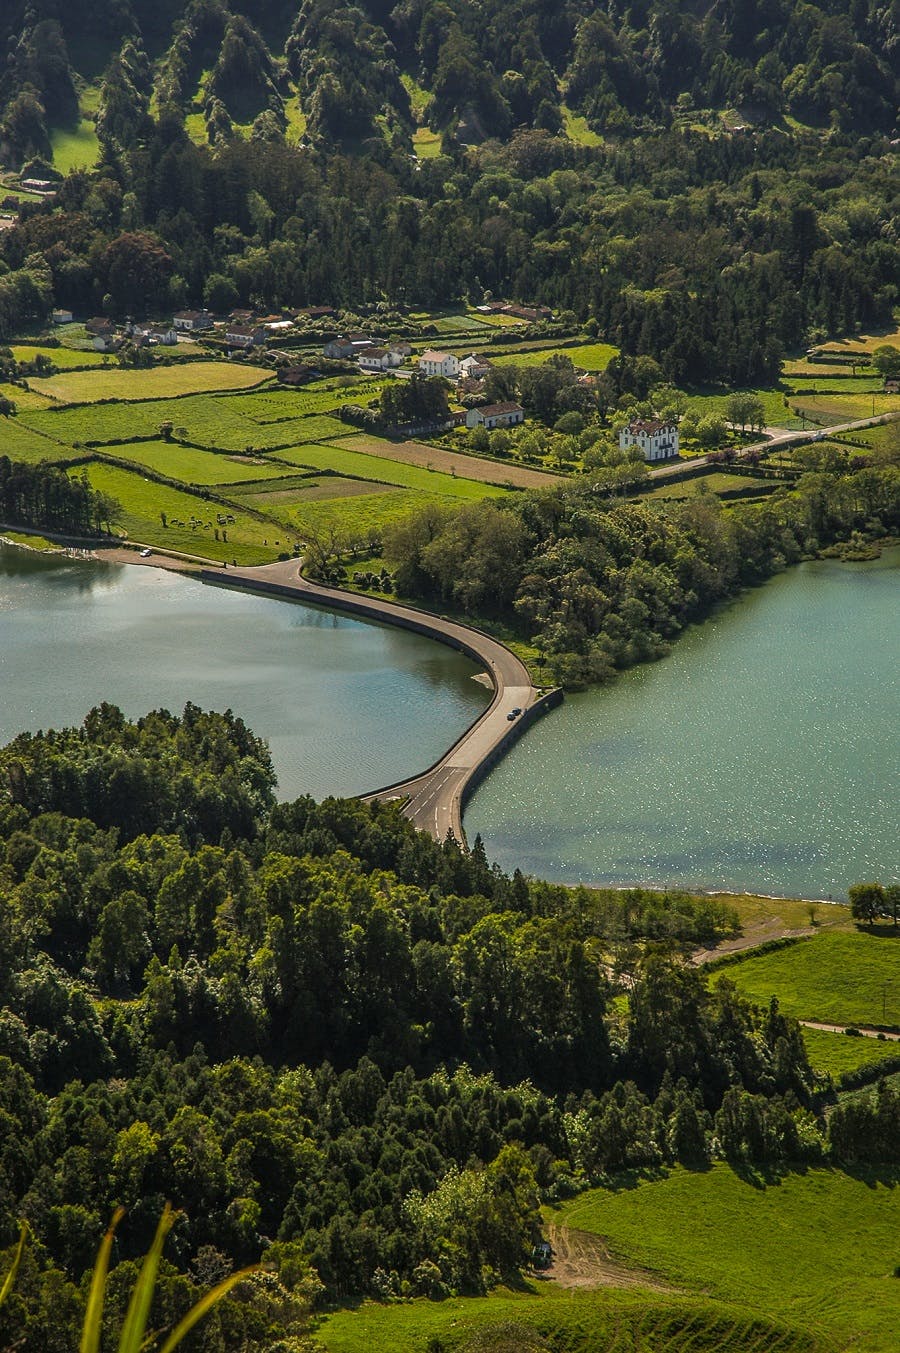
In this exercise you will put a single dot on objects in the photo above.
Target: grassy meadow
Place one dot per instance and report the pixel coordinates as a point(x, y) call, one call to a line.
point(601, 1320)
point(157, 382)
point(191, 466)
point(815, 1249)
point(249, 539)
point(63, 357)
point(840, 977)
point(839, 1054)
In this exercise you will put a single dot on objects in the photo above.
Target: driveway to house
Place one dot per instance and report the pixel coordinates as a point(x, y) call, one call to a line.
point(775, 436)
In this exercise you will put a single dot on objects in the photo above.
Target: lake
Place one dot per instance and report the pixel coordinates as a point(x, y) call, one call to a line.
point(761, 755)
point(346, 705)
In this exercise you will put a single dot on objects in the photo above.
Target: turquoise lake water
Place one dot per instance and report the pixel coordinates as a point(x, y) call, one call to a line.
point(761, 755)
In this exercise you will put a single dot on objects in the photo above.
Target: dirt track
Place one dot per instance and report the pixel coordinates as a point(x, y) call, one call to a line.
point(582, 1260)
point(452, 462)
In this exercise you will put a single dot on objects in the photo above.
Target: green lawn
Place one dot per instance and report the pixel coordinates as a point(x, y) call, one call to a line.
point(158, 382)
point(142, 500)
point(839, 1053)
point(841, 977)
point(607, 1320)
point(816, 1250)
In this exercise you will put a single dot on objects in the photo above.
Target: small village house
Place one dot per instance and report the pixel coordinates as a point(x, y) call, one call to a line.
point(490, 416)
point(473, 367)
point(657, 439)
point(434, 363)
point(193, 320)
point(338, 349)
point(245, 335)
point(378, 359)
point(62, 317)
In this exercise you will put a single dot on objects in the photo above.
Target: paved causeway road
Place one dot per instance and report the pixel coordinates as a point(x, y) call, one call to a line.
point(434, 799)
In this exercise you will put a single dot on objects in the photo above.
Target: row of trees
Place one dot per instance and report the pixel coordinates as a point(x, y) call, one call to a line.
point(41, 495)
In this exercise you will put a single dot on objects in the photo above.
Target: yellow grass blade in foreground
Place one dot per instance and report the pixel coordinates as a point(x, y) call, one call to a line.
point(132, 1337)
point(93, 1319)
point(17, 1259)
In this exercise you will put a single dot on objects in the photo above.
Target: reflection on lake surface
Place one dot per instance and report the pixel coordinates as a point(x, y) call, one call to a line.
point(762, 754)
point(345, 705)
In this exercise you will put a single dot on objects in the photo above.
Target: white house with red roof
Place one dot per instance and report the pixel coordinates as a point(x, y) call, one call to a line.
point(657, 439)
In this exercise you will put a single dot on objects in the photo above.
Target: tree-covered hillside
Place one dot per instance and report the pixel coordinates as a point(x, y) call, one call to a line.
point(332, 1041)
point(484, 68)
point(711, 185)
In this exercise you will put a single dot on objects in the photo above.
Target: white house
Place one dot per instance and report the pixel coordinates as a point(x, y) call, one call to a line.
point(657, 439)
point(191, 320)
point(166, 334)
point(434, 363)
point(473, 367)
point(62, 317)
point(378, 359)
point(338, 348)
point(244, 335)
point(495, 416)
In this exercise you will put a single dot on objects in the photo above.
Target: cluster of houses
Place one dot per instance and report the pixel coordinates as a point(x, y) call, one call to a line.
point(106, 336)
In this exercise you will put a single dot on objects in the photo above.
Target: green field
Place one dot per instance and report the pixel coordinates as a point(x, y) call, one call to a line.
point(830, 409)
point(142, 500)
point(195, 467)
point(353, 517)
point(605, 1320)
point(577, 129)
point(816, 1250)
point(64, 358)
point(158, 382)
point(840, 978)
point(776, 414)
point(426, 143)
point(840, 1053)
point(20, 442)
point(591, 356)
point(23, 398)
point(360, 465)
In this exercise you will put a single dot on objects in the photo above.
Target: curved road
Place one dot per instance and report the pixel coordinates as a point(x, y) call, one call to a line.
point(775, 437)
point(434, 798)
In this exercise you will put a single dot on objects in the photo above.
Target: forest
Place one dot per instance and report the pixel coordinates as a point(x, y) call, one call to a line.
point(333, 1043)
point(711, 245)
